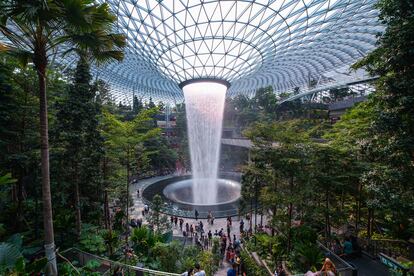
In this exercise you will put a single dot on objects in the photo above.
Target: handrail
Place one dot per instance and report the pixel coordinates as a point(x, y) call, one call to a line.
point(115, 263)
point(345, 263)
point(390, 247)
point(169, 210)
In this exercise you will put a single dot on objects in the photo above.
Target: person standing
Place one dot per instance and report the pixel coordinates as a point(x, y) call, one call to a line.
point(348, 247)
point(241, 226)
point(232, 271)
point(196, 214)
point(206, 243)
point(189, 272)
point(198, 270)
point(201, 226)
point(210, 237)
point(181, 224)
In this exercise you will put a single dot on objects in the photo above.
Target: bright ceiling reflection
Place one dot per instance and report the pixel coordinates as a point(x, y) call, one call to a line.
point(251, 44)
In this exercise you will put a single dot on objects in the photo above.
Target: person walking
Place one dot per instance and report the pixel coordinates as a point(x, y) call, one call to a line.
point(210, 237)
point(198, 270)
point(181, 224)
point(209, 217)
point(191, 230)
point(232, 271)
point(206, 243)
point(196, 214)
point(201, 226)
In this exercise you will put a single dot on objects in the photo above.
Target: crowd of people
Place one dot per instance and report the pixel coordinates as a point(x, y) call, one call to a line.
point(328, 269)
point(201, 234)
point(348, 249)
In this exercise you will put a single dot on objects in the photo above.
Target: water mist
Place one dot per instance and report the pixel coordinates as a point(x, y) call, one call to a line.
point(204, 103)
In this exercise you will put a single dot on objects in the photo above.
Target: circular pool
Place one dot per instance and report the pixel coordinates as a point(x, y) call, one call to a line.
point(177, 194)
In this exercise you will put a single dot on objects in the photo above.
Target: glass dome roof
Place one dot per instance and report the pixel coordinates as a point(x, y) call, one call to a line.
point(251, 44)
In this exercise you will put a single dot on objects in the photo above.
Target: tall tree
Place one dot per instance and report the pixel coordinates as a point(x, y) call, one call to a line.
point(124, 140)
point(35, 29)
point(391, 144)
point(78, 135)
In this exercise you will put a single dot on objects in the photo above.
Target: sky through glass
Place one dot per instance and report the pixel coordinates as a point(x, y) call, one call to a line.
point(251, 44)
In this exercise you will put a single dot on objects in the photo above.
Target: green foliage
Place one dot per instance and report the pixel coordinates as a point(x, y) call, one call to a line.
point(12, 261)
point(252, 268)
point(111, 239)
point(304, 234)
point(10, 256)
point(307, 256)
point(166, 255)
point(144, 239)
point(207, 261)
point(87, 270)
point(91, 240)
point(157, 220)
point(391, 141)
point(216, 250)
point(7, 179)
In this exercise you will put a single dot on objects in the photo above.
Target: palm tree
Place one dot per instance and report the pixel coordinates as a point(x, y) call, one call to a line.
point(37, 29)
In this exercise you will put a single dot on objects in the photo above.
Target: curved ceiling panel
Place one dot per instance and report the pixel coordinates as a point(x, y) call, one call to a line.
point(251, 44)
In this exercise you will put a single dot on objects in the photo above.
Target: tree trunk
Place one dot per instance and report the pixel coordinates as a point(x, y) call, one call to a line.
point(21, 172)
point(327, 218)
point(358, 211)
point(44, 150)
point(274, 215)
point(290, 210)
point(106, 203)
point(370, 222)
point(289, 234)
point(77, 206)
point(255, 205)
point(127, 200)
point(19, 202)
point(106, 209)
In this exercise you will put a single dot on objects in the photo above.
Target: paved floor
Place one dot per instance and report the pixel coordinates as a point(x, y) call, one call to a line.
point(136, 212)
point(369, 267)
point(366, 266)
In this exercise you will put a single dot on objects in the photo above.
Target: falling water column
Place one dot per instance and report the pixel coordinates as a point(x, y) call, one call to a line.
point(204, 103)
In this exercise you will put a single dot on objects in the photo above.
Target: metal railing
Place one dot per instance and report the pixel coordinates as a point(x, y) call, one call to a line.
point(343, 267)
point(172, 210)
point(108, 266)
point(392, 248)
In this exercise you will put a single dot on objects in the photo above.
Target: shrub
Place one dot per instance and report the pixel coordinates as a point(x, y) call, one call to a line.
point(250, 265)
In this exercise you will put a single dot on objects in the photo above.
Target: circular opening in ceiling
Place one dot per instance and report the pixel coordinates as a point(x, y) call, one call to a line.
point(226, 59)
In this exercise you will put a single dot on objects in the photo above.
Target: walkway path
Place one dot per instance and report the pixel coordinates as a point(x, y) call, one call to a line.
point(136, 212)
point(365, 265)
point(368, 267)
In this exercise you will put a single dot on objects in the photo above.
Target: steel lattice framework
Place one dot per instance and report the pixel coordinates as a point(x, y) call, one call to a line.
point(251, 44)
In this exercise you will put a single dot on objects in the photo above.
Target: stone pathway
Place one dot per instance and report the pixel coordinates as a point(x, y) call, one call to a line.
point(136, 212)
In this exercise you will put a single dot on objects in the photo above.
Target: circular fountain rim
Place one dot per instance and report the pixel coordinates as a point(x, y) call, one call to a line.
point(197, 80)
point(185, 210)
point(229, 182)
